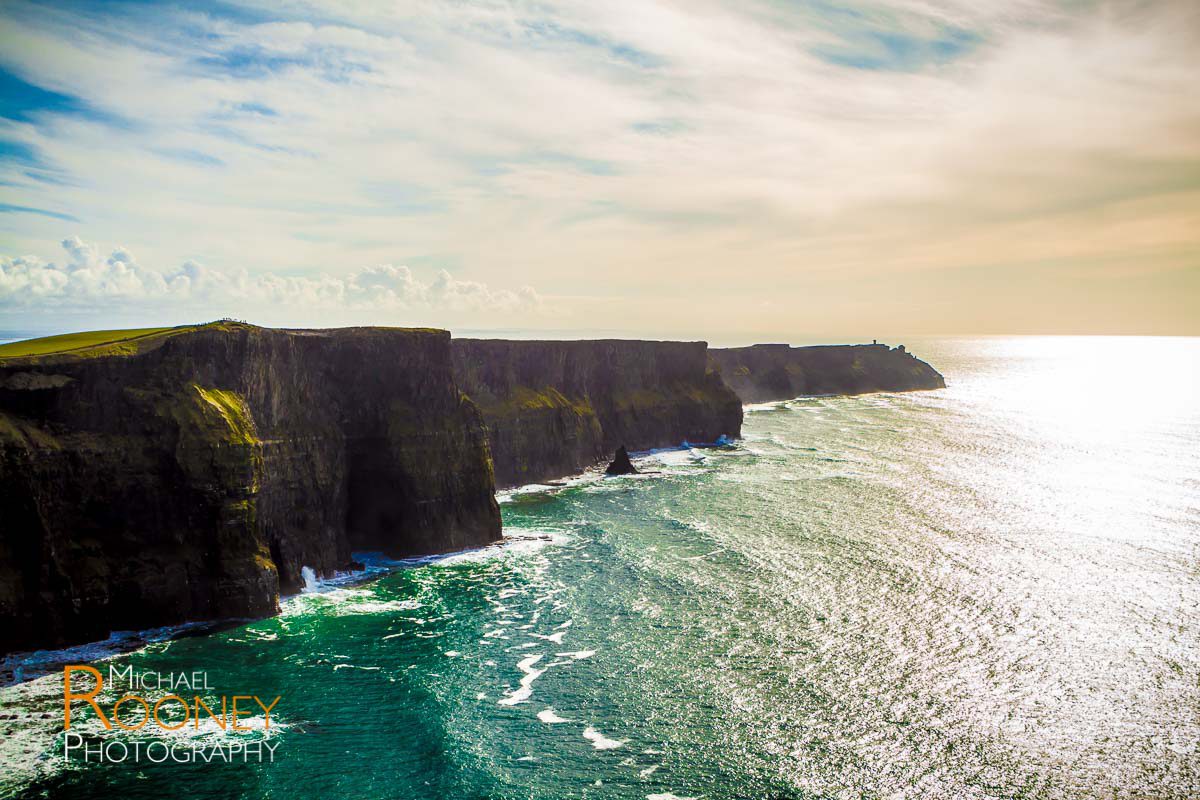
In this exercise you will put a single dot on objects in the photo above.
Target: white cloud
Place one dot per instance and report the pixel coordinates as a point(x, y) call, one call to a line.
point(87, 279)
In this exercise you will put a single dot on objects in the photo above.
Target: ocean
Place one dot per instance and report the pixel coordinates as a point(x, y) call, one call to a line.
point(986, 591)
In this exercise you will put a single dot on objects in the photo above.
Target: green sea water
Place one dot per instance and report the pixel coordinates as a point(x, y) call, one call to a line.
point(987, 591)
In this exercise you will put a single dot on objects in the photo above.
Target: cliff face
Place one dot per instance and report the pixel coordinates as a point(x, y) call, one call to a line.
point(766, 372)
point(554, 408)
point(192, 475)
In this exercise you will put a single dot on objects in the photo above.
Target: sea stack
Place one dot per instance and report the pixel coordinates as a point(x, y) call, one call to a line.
point(621, 465)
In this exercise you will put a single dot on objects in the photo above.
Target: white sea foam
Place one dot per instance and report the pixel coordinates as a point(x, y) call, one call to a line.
point(506, 496)
point(310, 579)
point(549, 717)
point(757, 408)
point(578, 654)
point(516, 540)
point(668, 796)
point(600, 741)
point(341, 601)
point(531, 675)
point(31, 664)
point(703, 556)
point(374, 564)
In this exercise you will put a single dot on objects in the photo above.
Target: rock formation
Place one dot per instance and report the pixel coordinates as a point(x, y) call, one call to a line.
point(555, 408)
point(766, 372)
point(191, 475)
point(620, 465)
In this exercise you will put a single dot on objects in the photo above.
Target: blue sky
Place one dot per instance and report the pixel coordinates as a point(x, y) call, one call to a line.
point(732, 170)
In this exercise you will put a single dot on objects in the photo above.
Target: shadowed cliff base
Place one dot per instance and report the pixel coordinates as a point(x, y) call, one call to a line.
point(765, 372)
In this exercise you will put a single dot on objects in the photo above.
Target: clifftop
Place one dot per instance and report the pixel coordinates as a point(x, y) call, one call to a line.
point(83, 345)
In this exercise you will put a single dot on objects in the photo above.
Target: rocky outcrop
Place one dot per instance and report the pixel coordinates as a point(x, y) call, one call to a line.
point(766, 372)
point(620, 465)
point(555, 408)
point(192, 475)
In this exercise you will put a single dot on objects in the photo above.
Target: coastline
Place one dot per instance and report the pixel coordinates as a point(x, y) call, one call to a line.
point(315, 445)
point(14, 666)
point(376, 565)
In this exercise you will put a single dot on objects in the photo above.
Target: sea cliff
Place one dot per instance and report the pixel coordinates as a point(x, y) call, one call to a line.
point(555, 408)
point(192, 474)
point(159, 476)
point(765, 372)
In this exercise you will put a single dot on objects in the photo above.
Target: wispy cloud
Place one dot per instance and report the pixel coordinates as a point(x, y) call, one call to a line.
point(6, 208)
point(633, 158)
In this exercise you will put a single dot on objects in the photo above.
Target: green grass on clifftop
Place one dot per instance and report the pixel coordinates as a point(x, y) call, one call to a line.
point(90, 344)
point(73, 341)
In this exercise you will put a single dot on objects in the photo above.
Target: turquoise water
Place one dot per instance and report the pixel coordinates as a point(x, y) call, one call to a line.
point(986, 591)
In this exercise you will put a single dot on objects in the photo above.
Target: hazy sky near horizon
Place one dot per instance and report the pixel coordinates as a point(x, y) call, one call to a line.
point(756, 170)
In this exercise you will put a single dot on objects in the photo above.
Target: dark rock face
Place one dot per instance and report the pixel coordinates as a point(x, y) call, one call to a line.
point(767, 372)
point(193, 477)
point(555, 408)
point(620, 465)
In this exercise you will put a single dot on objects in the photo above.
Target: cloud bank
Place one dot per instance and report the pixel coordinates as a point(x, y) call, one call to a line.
point(86, 279)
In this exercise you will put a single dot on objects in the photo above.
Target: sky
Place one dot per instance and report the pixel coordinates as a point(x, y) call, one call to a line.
point(735, 171)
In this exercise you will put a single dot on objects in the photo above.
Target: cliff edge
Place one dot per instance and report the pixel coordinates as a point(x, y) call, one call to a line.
point(765, 372)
